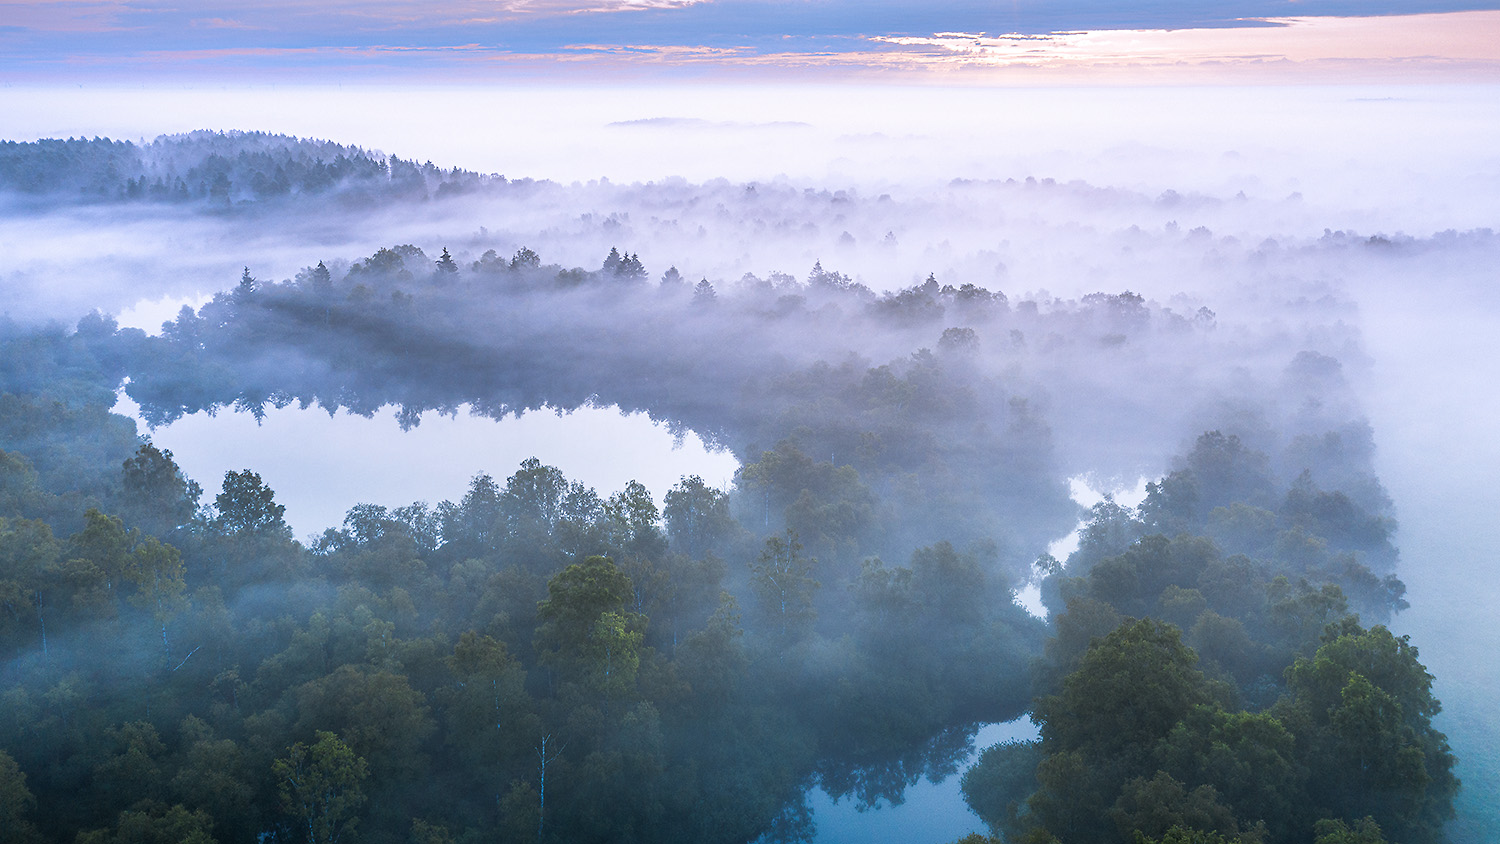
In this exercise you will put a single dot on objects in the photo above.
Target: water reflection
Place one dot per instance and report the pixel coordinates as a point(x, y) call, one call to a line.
point(321, 465)
point(914, 799)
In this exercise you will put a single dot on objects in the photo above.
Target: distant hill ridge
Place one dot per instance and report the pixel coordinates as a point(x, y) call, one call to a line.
point(228, 168)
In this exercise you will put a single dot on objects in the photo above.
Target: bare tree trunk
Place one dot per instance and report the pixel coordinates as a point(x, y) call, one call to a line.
point(545, 757)
point(42, 619)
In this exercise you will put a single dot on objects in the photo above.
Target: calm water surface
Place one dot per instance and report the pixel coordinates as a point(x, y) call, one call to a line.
point(931, 813)
point(321, 465)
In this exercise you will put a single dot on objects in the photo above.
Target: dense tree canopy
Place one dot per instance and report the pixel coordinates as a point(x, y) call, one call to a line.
point(1190, 696)
point(535, 660)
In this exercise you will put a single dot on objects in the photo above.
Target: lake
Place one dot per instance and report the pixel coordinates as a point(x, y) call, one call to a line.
point(321, 465)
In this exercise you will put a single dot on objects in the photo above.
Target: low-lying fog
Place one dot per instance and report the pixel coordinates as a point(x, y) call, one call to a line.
point(649, 169)
point(1358, 219)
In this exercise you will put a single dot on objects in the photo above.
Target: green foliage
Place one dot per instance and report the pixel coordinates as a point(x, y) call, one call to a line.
point(321, 788)
point(1363, 706)
point(784, 589)
point(247, 505)
point(1156, 806)
point(576, 598)
point(1130, 689)
point(155, 494)
point(212, 775)
point(132, 764)
point(633, 519)
point(1187, 835)
point(826, 505)
point(540, 661)
point(16, 802)
point(713, 660)
point(697, 517)
point(1111, 529)
point(1250, 759)
point(1137, 735)
point(155, 823)
point(383, 719)
point(155, 570)
point(1144, 740)
point(586, 633)
point(490, 717)
point(20, 491)
point(1333, 831)
point(28, 564)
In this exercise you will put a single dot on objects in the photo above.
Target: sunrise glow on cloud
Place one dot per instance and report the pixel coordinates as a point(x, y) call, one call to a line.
point(1467, 42)
point(1025, 43)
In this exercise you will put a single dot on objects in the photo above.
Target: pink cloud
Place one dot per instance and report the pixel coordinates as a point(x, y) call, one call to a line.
point(1461, 41)
point(80, 16)
point(83, 16)
point(221, 23)
point(1460, 46)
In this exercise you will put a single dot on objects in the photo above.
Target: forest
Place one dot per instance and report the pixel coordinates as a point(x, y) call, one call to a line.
point(537, 660)
point(213, 169)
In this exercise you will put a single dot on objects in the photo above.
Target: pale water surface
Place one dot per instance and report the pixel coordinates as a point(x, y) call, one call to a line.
point(321, 465)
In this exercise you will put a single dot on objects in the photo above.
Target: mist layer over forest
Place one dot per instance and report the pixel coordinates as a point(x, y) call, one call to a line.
point(908, 373)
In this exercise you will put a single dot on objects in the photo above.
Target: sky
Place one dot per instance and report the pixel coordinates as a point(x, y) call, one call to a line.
point(951, 41)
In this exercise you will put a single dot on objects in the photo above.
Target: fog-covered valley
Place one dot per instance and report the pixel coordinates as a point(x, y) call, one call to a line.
point(898, 337)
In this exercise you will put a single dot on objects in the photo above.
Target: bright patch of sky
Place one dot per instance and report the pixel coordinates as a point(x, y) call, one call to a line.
point(482, 40)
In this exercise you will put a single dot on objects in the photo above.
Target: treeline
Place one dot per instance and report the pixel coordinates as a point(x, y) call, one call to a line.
point(536, 661)
point(532, 660)
point(917, 411)
point(223, 169)
point(505, 680)
point(1219, 686)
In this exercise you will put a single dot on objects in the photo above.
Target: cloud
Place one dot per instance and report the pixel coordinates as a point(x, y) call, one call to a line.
point(700, 123)
point(569, 39)
point(64, 16)
point(472, 13)
point(572, 7)
point(221, 23)
point(161, 25)
point(1469, 37)
point(1453, 44)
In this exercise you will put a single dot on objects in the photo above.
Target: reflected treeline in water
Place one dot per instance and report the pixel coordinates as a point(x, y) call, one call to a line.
point(535, 660)
point(883, 781)
point(799, 379)
point(870, 424)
